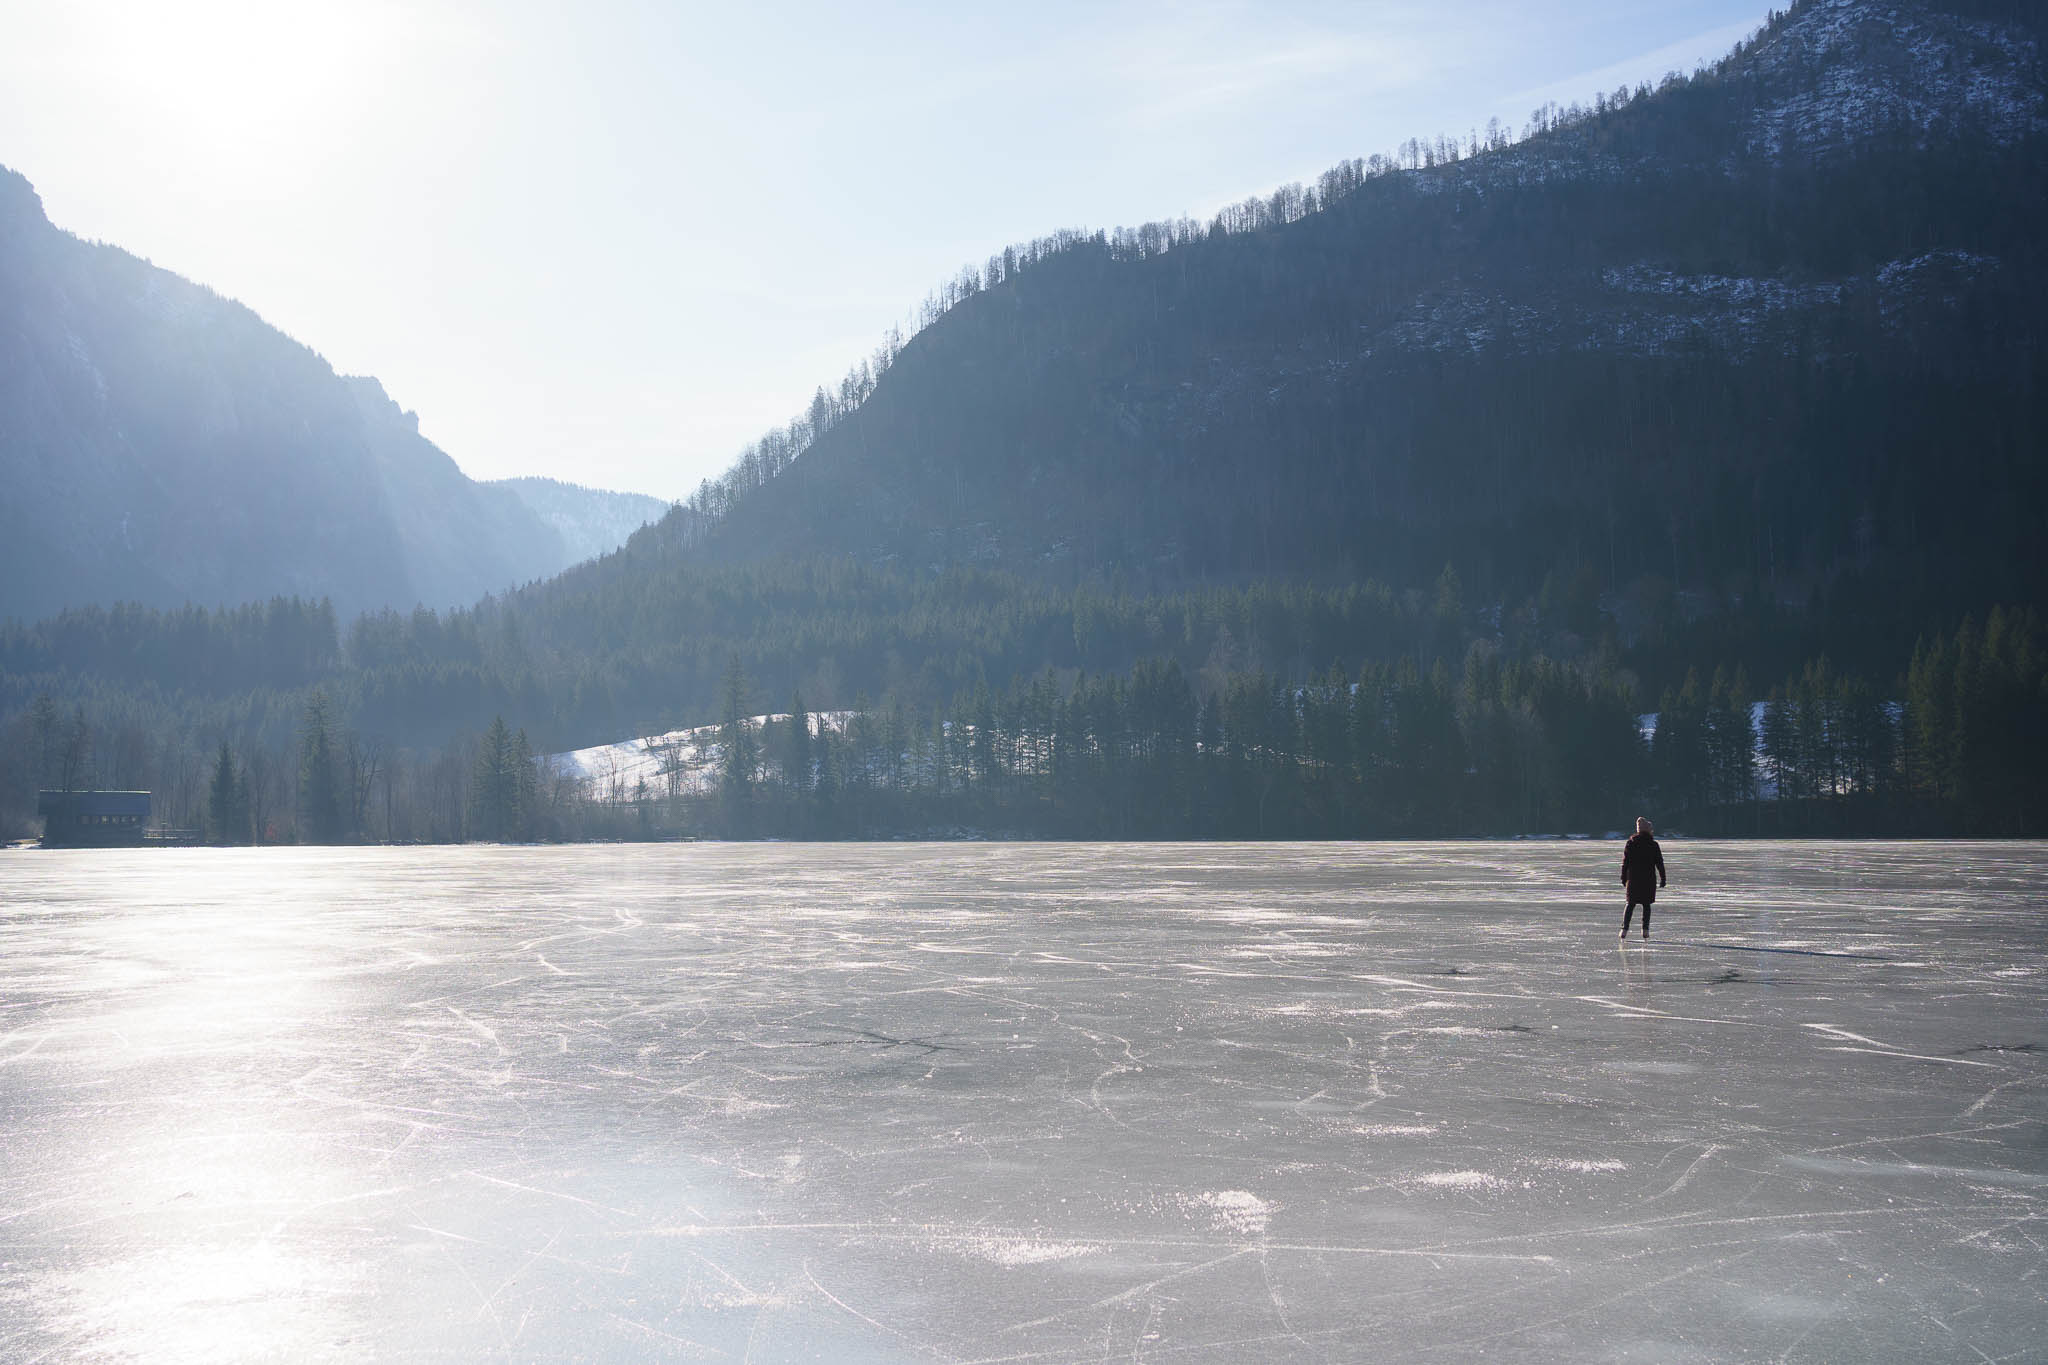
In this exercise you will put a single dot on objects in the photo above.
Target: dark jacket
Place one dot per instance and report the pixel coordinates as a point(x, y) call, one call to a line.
point(1642, 868)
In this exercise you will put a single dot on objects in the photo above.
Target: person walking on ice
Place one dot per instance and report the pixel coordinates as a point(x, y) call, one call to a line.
point(1642, 872)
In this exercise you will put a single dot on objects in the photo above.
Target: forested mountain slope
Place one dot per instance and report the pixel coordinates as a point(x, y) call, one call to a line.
point(1775, 324)
point(161, 444)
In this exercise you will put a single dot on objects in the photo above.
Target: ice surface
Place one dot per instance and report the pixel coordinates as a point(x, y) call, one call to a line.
point(1023, 1103)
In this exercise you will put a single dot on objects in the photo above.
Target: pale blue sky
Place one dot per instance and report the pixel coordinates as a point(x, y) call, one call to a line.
point(613, 241)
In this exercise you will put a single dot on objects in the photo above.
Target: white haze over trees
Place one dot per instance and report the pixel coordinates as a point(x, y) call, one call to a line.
point(617, 243)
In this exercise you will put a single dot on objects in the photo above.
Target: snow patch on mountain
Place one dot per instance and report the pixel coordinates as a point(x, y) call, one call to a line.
point(1938, 280)
point(675, 763)
point(1720, 290)
point(1650, 310)
point(1840, 71)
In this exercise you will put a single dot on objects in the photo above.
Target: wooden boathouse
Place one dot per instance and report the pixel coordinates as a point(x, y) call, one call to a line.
point(93, 819)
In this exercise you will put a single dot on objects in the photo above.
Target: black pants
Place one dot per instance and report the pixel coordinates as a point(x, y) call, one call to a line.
point(1630, 913)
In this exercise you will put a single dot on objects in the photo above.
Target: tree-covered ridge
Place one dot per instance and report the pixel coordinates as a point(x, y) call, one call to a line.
point(1639, 302)
point(1174, 422)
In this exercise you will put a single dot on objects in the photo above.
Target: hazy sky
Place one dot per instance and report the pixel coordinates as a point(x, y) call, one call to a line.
point(613, 241)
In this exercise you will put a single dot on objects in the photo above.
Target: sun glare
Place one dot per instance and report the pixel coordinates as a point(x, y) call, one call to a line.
point(238, 83)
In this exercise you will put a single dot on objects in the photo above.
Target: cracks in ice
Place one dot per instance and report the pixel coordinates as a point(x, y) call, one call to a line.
point(1685, 1177)
point(921, 1347)
point(881, 1041)
point(1214, 1130)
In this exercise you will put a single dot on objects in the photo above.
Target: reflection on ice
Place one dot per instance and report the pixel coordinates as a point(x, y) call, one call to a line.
point(996, 1102)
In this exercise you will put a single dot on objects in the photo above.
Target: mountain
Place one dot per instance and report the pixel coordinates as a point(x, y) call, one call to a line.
point(161, 444)
point(1776, 324)
point(1383, 506)
point(590, 521)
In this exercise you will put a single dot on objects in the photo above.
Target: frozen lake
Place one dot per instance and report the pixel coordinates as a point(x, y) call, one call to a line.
point(1034, 1103)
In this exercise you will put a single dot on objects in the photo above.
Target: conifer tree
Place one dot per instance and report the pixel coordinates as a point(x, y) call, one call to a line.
point(825, 796)
point(1930, 722)
point(46, 728)
point(494, 787)
point(796, 754)
point(227, 800)
point(739, 752)
point(525, 789)
point(1679, 749)
point(1731, 740)
point(982, 737)
point(75, 760)
point(320, 803)
point(1779, 743)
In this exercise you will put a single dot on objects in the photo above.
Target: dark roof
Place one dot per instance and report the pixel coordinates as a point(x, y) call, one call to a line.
point(93, 803)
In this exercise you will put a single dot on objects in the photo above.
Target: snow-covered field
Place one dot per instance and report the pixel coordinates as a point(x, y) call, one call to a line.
point(1023, 1103)
point(681, 762)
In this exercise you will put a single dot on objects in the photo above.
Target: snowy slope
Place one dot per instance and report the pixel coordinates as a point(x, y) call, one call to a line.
point(677, 763)
point(1838, 72)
